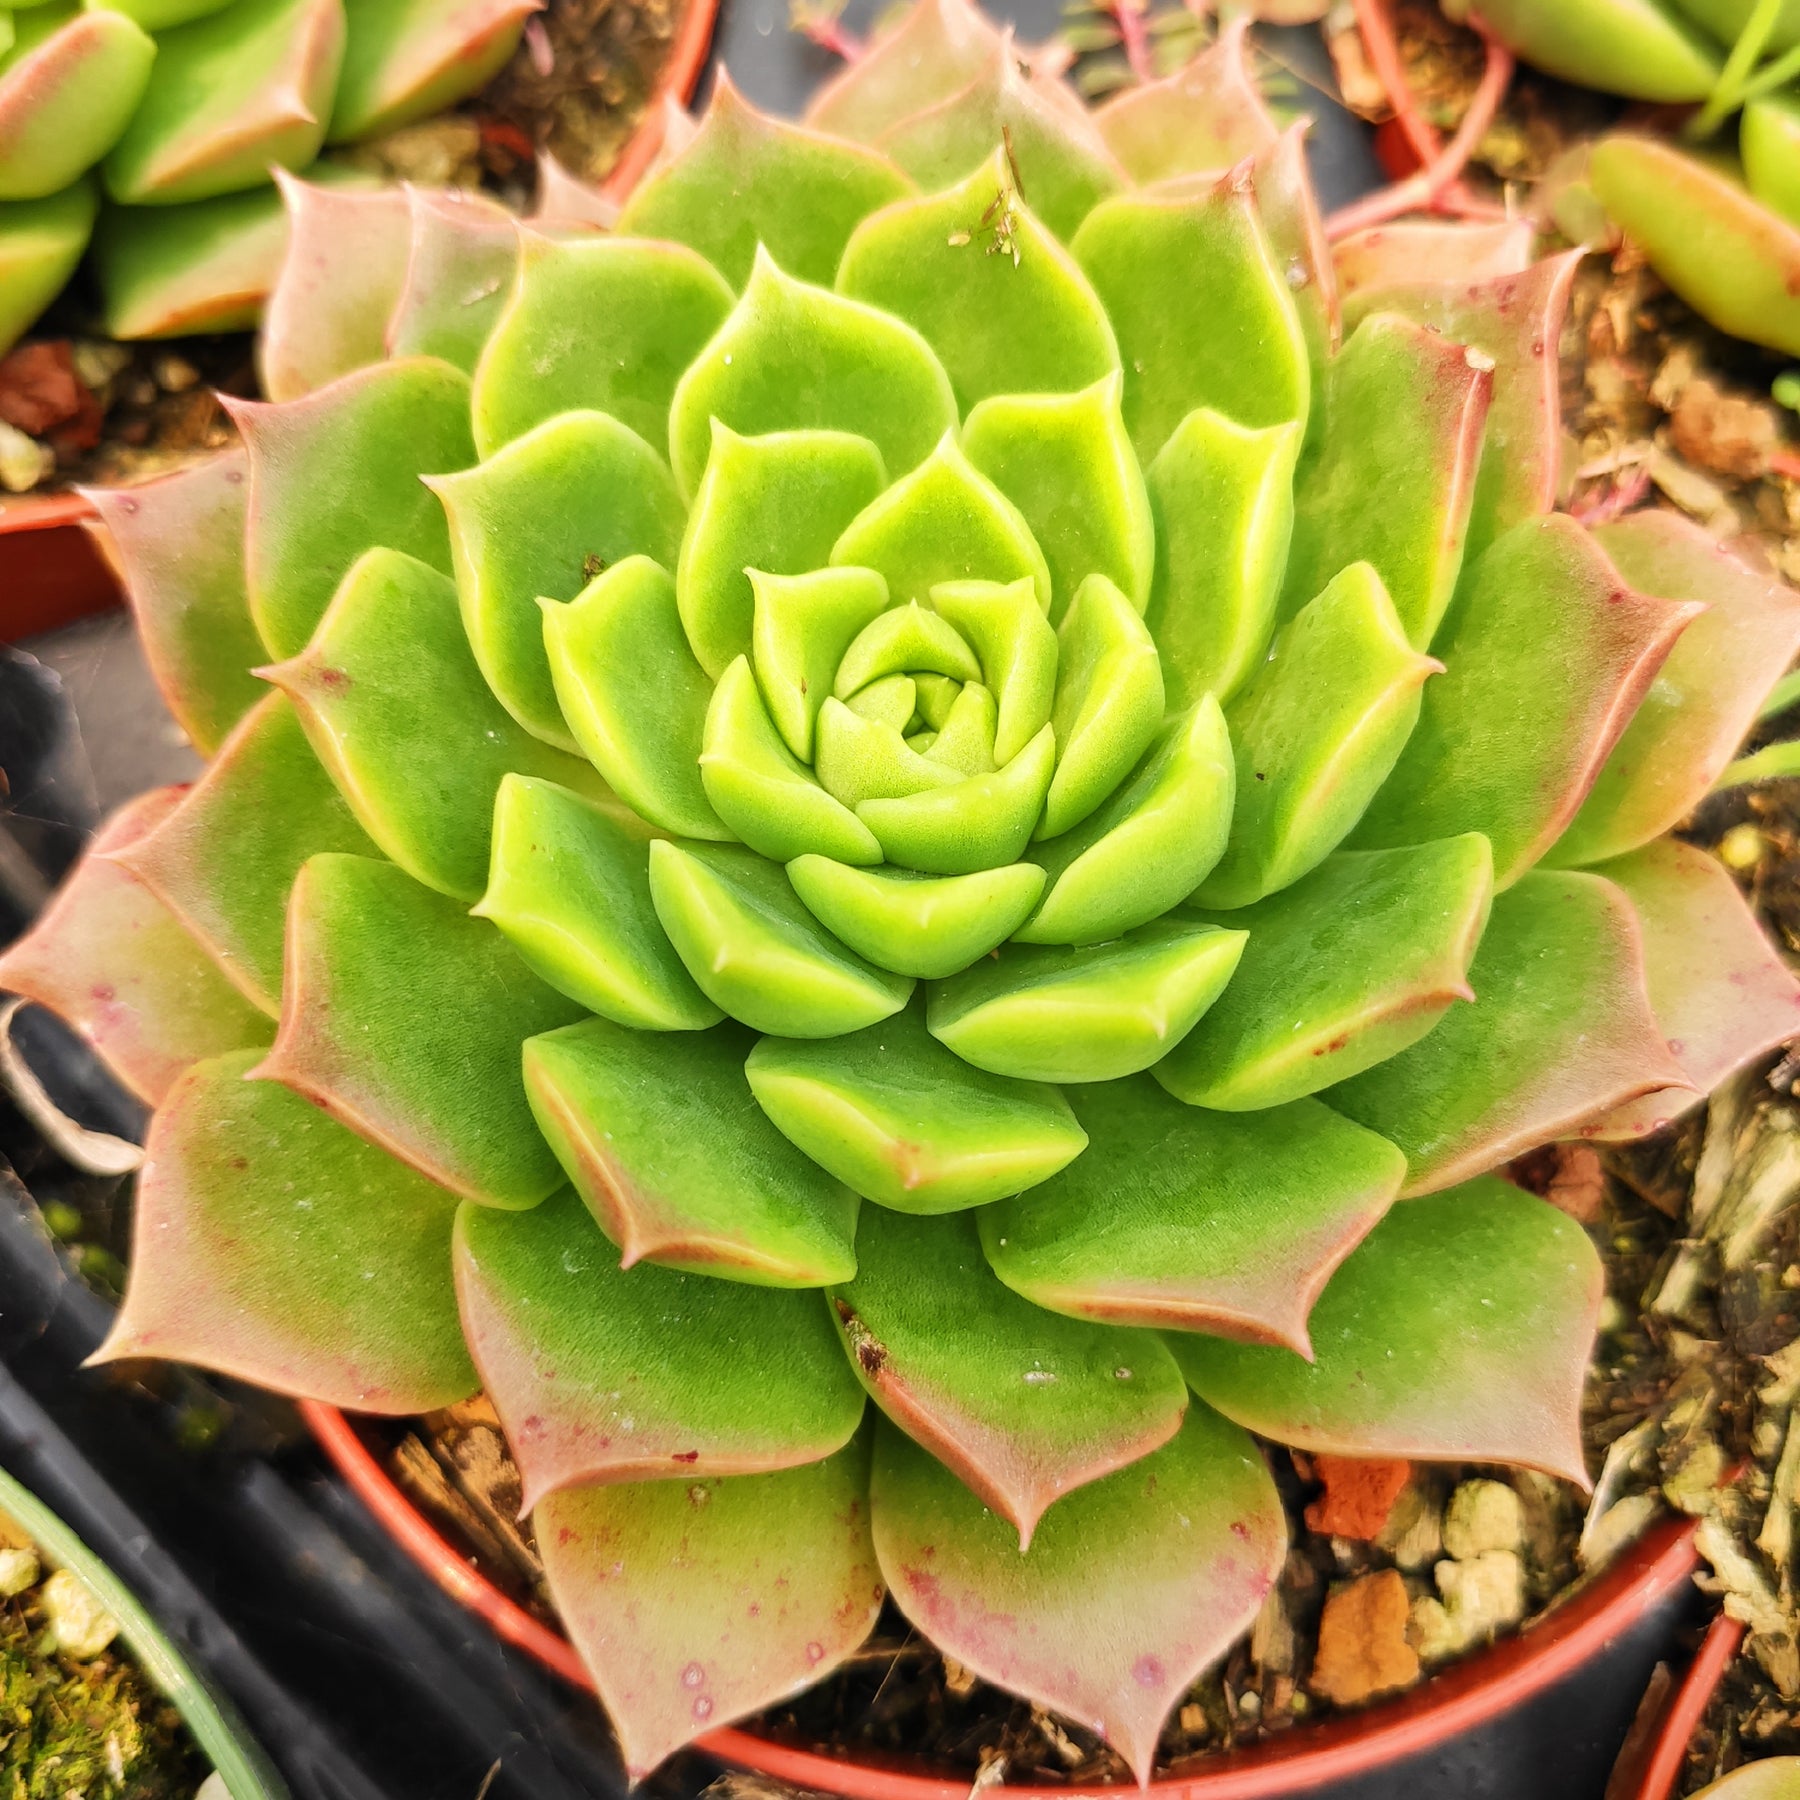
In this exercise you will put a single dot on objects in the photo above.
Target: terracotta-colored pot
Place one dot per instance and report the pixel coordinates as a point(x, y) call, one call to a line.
point(1651, 1773)
point(1468, 1695)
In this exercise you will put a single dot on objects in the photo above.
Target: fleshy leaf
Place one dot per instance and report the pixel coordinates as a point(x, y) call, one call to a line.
point(1458, 1331)
point(570, 888)
point(1516, 321)
point(464, 253)
point(405, 59)
point(1133, 1584)
point(662, 1138)
point(229, 96)
point(225, 859)
point(906, 639)
point(578, 493)
point(1402, 400)
point(1769, 141)
point(1231, 1224)
point(935, 51)
point(693, 1603)
point(756, 951)
point(272, 1245)
point(900, 1120)
point(945, 521)
point(1065, 461)
point(180, 540)
point(604, 1374)
point(389, 669)
point(1149, 845)
point(793, 357)
point(403, 1018)
point(335, 474)
point(1701, 705)
point(777, 504)
point(345, 265)
point(1089, 1014)
point(1004, 624)
point(1202, 309)
point(1222, 498)
point(1022, 1405)
point(108, 957)
point(1721, 994)
point(1002, 303)
point(1410, 250)
point(1343, 970)
point(1633, 47)
point(633, 695)
point(862, 758)
point(924, 925)
point(598, 322)
point(1548, 654)
point(801, 627)
point(1561, 1029)
point(565, 200)
point(749, 179)
point(41, 242)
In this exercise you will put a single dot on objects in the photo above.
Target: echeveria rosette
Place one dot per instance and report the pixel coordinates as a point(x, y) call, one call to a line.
point(865, 791)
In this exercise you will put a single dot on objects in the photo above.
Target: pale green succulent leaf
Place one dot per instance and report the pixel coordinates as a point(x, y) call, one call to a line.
point(160, 15)
point(1769, 141)
point(861, 758)
point(41, 242)
point(931, 53)
point(801, 627)
point(462, 257)
point(904, 639)
point(893, 700)
point(1013, 641)
point(69, 82)
point(1641, 48)
point(966, 741)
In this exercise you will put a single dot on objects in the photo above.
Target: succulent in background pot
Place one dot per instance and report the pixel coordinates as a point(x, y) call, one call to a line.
point(903, 780)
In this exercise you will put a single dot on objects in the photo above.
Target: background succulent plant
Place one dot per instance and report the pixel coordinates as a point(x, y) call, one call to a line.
point(183, 108)
point(903, 780)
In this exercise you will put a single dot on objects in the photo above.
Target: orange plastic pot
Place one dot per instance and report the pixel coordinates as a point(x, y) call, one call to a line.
point(1658, 1766)
point(1468, 1695)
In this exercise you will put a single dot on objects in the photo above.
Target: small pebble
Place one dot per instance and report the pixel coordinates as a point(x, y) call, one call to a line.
point(24, 462)
point(1363, 1648)
point(81, 1626)
point(1741, 847)
point(213, 1788)
point(174, 374)
point(18, 1570)
point(1483, 1515)
point(1483, 1593)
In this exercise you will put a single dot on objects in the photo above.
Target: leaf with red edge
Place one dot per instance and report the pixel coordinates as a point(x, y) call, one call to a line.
point(1289, 205)
point(1229, 1222)
point(693, 1603)
point(1703, 702)
point(111, 959)
point(403, 1017)
point(1517, 320)
point(1133, 1584)
point(1415, 250)
point(1548, 654)
point(565, 200)
point(180, 541)
point(225, 859)
point(1458, 1332)
point(346, 262)
point(935, 51)
point(1022, 1405)
point(604, 1374)
point(1721, 993)
point(272, 1245)
point(1561, 1029)
point(464, 253)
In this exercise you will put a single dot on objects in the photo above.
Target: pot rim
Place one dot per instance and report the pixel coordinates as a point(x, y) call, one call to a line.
point(1470, 1693)
point(1662, 1767)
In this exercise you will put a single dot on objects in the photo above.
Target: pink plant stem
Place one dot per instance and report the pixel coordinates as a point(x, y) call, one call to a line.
point(1133, 38)
point(829, 34)
point(1377, 30)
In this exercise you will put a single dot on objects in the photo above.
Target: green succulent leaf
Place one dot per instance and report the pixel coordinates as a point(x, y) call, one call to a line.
point(989, 288)
point(272, 1245)
point(904, 638)
point(1561, 1030)
point(463, 254)
point(1641, 48)
point(1087, 1014)
point(1223, 502)
point(1065, 461)
point(180, 539)
point(693, 1603)
point(923, 925)
point(1022, 1405)
point(112, 960)
point(1342, 970)
point(1769, 141)
point(932, 53)
point(801, 628)
point(1403, 400)
point(402, 1017)
point(645, 309)
point(337, 473)
point(632, 694)
point(224, 860)
point(389, 668)
point(533, 523)
point(159, 15)
point(665, 1143)
point(1133, 1583)
point(405, 59)
point(1004, 625)
point(1233, 1223)
point(775, 504)
point(41, 242)
point(748, 179)
point(1547, 653)
point(1458, 1331)
point(899, 1119)
point(228, 96)
point(1290, 214)
point(794, 357)
point(756, 951)
point(569, 885)
point(1149, 845)
point(1201, 308)
point(606, 1374)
